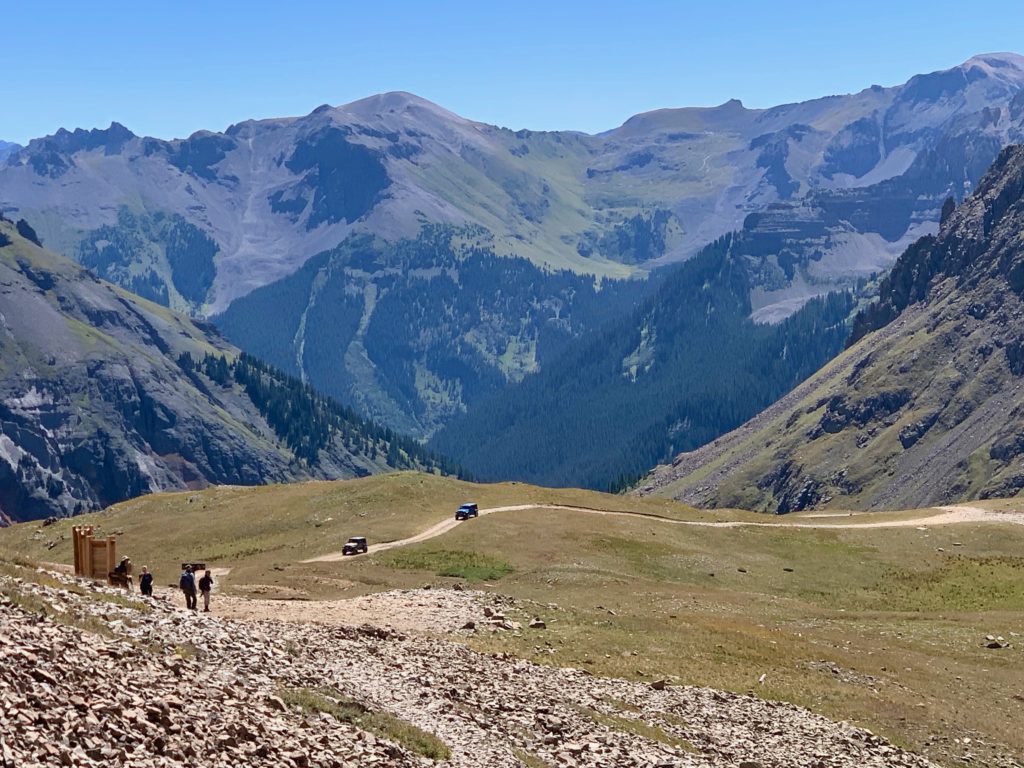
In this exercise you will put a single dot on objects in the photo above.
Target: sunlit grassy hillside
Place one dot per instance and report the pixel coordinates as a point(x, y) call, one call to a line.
point(256, 531)
point(882, 626)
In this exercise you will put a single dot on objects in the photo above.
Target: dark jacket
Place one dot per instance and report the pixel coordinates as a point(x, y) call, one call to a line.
point(146, 581)
point(206, 584)
point(187, 582)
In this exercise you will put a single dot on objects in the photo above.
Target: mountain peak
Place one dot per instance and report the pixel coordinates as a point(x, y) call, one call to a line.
point(996, 61)
point(1004, 68)
point(687, 118)
point(7, 148)
point(111, 138)
point(734, 104)
point(978, 82)
point(396, 102)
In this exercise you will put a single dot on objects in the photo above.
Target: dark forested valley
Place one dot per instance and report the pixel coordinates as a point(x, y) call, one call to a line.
point(685, 366)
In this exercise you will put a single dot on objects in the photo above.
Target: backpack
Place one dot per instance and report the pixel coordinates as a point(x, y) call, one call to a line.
point(187, 582)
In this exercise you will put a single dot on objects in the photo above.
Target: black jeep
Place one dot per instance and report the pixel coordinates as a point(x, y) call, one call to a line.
point(467, 511)
point(355, 545)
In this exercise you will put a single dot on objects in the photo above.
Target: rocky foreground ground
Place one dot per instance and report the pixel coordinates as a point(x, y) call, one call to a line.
point(90, 677)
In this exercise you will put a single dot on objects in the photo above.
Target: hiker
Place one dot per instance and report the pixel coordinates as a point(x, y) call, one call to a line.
point(146, 582)
point(123, 570)
point(206, 586)
point(187, 582)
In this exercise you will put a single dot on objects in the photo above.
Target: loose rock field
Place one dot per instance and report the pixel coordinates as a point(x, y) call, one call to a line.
point(91, 677)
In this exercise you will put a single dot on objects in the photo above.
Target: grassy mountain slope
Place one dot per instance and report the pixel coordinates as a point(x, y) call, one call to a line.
point(925, 407)
point(881, 627)
point(106, 396)
point(685, 366)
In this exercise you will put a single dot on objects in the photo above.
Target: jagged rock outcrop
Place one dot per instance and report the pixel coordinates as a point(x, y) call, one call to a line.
point(925, 407)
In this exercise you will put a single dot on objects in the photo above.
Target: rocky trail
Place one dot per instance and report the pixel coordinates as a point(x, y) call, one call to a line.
point(949, 515)
point(436, 611)
point(90, 676)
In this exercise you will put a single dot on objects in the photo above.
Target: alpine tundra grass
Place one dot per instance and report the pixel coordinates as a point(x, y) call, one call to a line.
point(884, 627)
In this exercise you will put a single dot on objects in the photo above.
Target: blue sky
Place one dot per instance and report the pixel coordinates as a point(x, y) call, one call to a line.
point(167, 69)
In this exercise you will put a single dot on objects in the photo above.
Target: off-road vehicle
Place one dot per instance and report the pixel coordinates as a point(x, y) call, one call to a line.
point(354, 546)
point(467, 511)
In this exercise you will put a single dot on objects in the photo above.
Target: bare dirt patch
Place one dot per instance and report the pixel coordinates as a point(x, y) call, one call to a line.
point(413, 610)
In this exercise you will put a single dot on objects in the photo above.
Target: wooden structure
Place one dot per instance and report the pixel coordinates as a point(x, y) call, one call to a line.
point(94, 558)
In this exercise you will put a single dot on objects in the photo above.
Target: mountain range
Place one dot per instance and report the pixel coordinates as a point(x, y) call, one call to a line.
point(105, 396)
point(272, 193)
point(432, 271)
point(925, 407)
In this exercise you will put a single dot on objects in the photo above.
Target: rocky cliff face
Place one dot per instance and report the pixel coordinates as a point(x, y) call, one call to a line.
point(927, 406)
point(96, 406)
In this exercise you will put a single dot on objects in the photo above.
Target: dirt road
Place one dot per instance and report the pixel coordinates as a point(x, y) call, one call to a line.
point(948, 515)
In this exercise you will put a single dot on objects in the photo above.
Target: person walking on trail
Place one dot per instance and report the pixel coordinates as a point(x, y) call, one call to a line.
point(146, 582)
point(187, 582)
point(124, 571)
point(206, 587)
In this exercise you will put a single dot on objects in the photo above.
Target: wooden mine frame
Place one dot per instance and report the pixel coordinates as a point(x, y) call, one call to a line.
point(94, 558)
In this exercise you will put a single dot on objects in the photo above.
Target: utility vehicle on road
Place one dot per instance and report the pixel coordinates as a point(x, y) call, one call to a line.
point(355, 545)
point(467, 511)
